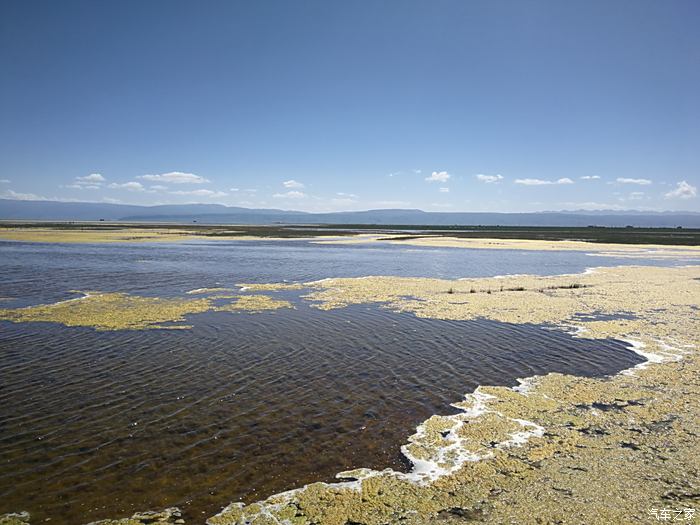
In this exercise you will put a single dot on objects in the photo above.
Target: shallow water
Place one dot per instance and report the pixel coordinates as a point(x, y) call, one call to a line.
point(101, 424)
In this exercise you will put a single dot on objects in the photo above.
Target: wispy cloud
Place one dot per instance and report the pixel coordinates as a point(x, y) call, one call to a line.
point(292, 184)
point(683, 190)
point(15, 196)
point(92, 178)
point(438, 176)
point(290, 195)
point(5, 181)
point(625, 180)
point(444, 190)
point(199, 193)
point(130, 186)
point(87, 182)
point(590, 177)
point(489, 179)
point(348, 195)
point(175, 177)
point(78, 186)
point(540, 182)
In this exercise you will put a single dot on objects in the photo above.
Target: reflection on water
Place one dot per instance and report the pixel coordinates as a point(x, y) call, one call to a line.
point(100, 424)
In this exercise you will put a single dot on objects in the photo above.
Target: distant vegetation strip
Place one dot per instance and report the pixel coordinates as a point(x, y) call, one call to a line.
point(593, 234)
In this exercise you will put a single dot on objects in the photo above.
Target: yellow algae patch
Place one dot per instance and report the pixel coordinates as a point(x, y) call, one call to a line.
point(522, 298)
point(95, 235)
point(607, 249)
point(171, 515)
point(15, 518)
point(120, 311)
point(110, 311)
point(557, 449)
point(254, 303)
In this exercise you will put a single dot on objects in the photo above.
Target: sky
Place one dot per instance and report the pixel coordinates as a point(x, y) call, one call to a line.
point(442, 105)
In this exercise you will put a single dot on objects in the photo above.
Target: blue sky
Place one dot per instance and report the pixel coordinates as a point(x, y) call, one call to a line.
point(327, 105)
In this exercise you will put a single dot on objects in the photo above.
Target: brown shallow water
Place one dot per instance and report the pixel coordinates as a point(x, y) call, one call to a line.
point(100, 424)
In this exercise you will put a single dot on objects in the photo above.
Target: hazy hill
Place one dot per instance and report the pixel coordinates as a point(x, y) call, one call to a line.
point(220, 214)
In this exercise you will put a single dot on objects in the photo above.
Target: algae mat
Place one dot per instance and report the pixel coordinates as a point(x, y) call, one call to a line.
point(120, 311)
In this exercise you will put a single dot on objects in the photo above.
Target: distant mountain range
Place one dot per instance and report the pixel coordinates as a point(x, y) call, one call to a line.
point(220, 214)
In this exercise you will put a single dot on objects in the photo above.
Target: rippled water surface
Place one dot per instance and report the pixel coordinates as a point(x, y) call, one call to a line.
point(101, 424)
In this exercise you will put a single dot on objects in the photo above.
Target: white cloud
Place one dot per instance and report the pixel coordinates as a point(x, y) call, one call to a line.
point(444, 190)
point(131, 186)
point(636, 195)
point(590, 177)
point(5, 181)
point(93, 178)
point(348, 195)
point(540, 182)
point(109, 200)
point(13, 195)
point(158, 187)
point(292, 184)
point(79, 186)
point(625, 180)
point(489, 179)
point(417, 172)
point(438, 176)
point(290, 195)
point(199, 193)
point(683, 191)
point(175, 177)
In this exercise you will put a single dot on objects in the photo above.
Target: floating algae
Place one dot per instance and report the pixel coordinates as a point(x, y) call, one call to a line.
point(170, 516)
point(120, 311)
point(557, 448)
point(15, 518)
point(254, 303)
